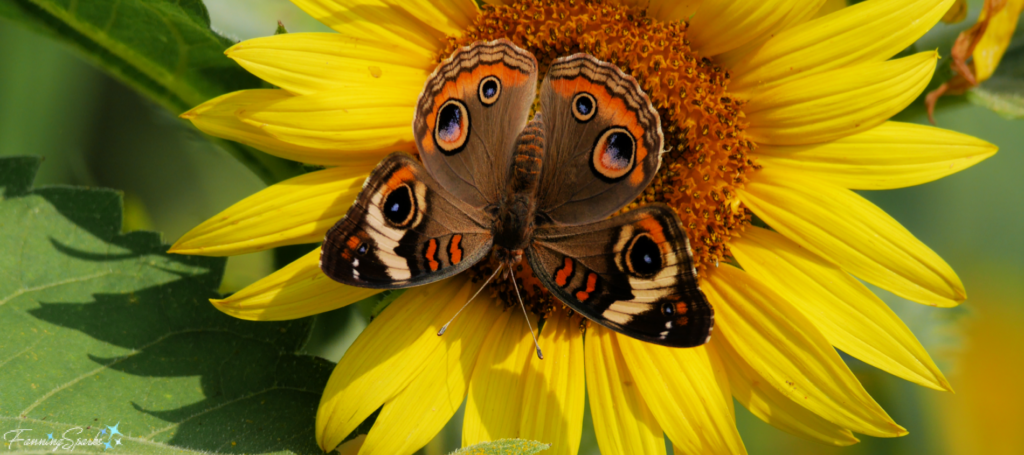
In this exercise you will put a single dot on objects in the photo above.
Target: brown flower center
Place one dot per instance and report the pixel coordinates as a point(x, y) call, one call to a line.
point(707, 153)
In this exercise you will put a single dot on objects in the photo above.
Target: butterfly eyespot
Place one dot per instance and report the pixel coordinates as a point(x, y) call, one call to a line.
point(584, 107)
point(489, 90)
point(451, 131)
point(614, 154)
point(399, 206)
point(643, 256)
point(668, 309)
point(362, 248)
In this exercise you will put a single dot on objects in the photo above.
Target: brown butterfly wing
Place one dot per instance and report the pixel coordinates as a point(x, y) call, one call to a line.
point(632, 273)
point(603, 140)
point(467, 119)
point(403, 230)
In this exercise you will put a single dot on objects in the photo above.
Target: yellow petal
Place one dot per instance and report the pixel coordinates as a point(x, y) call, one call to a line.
point(295, 211)
point(851, 317)
point(668, 10)
point(685, 394)
point(493, 408)
point(298, 290)
point(833, 104)
point(387, 356)
point(841, 226)
point(216, 117)
point(891, 155)
point(366, 119)
point(871, 31)
point(798, 13)
point(990, 49)
point(719, 27)
point(552, 409)
point(784, 347)
point(352, 446)
point(956, 13)
point(306, 63)
point(830, 7)
point(419, 412)
point(622, 421)
point(757, 394)
point(418, 25)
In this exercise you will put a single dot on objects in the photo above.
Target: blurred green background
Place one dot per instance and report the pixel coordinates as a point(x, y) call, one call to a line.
point(93, 131)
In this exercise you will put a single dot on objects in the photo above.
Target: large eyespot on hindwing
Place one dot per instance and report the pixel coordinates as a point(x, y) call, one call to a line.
point(584, 107)
point(399, 206)
point(642, 256)
point(614, 154)
point(489, 90)
point(451, 128)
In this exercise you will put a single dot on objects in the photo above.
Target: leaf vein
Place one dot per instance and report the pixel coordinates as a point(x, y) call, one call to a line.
point(23, 291)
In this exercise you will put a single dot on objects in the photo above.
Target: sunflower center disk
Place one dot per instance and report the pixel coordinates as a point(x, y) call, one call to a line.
point(707, 152)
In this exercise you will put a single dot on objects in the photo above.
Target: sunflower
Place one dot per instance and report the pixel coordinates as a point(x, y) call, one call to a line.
point(773, 112)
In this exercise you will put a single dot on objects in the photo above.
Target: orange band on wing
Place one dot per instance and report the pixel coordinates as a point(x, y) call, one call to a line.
point(465, 86)
point(352, 243)
point(582, 296)
point(653, 227)
point(608, 106)
point(454, 250)
point(563, 274)
point(400, 176)
point(431, 251)
point(682, 308)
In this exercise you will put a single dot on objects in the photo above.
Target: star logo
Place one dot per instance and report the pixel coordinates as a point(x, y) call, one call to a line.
point(49, 436)
point(118, 441)
point(107, 445)
point(113, 430)
point(103, 431)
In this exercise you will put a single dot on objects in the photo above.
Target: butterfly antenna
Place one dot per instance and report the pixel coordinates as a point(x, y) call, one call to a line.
point(515, 286)
point(441, 332)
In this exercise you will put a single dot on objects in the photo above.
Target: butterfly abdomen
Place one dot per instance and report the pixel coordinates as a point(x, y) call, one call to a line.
point(528, 158)
point(513, 226)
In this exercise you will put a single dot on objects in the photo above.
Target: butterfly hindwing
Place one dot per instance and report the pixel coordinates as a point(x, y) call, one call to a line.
point(632, 273)
point(470, 113)
point(403, 230)
point(603, 140)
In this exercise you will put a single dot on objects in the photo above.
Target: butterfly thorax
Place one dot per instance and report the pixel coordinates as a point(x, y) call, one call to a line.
point(514, 221)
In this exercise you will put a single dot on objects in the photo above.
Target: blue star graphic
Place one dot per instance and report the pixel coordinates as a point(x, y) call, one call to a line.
point(113, 429)
point(49, 436)
point(107, 444)
point(103, 431)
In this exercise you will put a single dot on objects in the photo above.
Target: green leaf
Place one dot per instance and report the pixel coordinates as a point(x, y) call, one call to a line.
point(1004, 91)
point(1003, 96)
point(504, 447)
point(163, 48)
point(107, 329)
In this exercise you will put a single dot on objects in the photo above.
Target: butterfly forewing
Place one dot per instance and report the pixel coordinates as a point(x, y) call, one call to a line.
point(403, 230)
point(633, 274)
point(469, 115)
point(603, 140)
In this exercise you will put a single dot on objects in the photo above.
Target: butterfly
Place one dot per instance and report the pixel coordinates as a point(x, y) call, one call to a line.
point(495, 182)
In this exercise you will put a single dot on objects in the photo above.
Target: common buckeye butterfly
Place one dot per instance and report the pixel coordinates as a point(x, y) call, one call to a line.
point(492, 183)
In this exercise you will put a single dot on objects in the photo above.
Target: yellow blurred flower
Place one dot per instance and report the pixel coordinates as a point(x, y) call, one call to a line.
point(768, 110)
